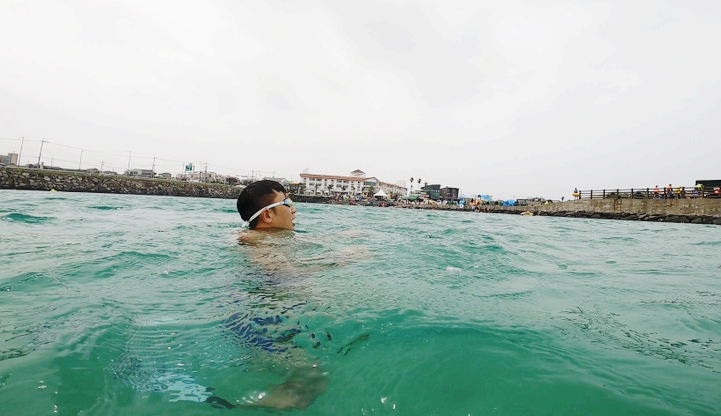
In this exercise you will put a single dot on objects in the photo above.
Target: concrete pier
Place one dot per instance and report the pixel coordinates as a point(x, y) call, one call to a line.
point(698, 211)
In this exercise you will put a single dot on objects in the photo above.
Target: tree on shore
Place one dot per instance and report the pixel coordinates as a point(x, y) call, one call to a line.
point(411, 185)
point(298, 189)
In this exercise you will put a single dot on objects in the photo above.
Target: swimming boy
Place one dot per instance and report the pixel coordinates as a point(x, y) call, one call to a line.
point(265, 207)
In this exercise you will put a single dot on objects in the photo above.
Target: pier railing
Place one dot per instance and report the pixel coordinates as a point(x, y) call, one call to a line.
point(680, 192)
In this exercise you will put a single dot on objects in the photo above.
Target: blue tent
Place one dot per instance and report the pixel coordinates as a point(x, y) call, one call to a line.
point(509, 203)
point(486, 198)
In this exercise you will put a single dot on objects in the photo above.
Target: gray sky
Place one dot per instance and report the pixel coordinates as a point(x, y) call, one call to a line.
point(507, 98)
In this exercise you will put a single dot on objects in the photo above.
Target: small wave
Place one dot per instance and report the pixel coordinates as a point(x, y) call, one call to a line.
point(119, 262)
point(142, 257)
point(11, 353)
point(494, 248)
point(226, 210)
point(28, 219)
point(608, 328)
point(708, 243)
point(104, 207)
point(616, 238)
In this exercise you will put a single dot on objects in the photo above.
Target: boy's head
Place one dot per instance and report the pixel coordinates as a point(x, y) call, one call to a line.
point(256, 198)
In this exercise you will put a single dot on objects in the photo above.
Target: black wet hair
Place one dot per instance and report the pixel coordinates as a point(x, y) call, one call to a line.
point(256, 196)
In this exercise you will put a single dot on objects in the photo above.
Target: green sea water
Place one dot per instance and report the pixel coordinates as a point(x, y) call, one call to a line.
point(135, 305)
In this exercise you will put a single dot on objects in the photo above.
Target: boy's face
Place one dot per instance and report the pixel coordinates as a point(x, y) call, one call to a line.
point(282, 215)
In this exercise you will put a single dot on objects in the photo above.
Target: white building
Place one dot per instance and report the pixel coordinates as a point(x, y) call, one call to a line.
point(199, 176)
point(282, 181)
point(210, 177)
point(356, 183)
point(143, 173)
point(10, 159)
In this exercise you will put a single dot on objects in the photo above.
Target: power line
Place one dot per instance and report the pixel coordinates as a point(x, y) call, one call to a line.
point(84, 150)
point(20, 139)
point(157, 161)
point(41, 150)
point(65, 145)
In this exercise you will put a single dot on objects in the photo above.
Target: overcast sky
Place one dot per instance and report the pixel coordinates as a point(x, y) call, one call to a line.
point(507, 98)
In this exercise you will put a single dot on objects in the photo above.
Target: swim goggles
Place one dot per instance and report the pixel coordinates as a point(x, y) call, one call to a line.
point(287, 202)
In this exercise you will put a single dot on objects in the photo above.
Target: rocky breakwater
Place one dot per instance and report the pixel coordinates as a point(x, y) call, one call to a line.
point(47, 180)
point(695, 211)
point(313, 199)
point(694, 219)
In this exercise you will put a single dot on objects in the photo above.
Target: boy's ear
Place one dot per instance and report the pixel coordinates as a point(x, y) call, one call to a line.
point(265, 217)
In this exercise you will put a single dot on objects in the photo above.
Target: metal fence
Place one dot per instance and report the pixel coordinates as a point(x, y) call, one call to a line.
point(681, 192)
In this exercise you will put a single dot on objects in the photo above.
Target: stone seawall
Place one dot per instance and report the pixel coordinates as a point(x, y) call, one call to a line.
point(46, 180)
point(697, 211)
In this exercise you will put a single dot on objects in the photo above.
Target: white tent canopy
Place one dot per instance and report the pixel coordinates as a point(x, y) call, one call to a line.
point(381, 194)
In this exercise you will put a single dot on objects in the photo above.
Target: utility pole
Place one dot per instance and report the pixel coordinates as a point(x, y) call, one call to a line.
point(41, 151)
point(20, 155)
point(128, 161)
point(153, 168)
point(102, 163)
point(81, 160)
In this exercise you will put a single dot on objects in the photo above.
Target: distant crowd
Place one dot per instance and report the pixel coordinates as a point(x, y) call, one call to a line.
point(698, 191)
point(668, 192)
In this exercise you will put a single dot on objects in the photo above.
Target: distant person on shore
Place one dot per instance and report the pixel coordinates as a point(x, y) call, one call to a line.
point(669, 191)
point(656, 192)
point(717, 191)
point(576, 194)
point(682, 194)
point(699, 189)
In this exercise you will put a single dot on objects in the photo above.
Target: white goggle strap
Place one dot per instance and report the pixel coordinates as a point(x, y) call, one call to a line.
point(273, 205)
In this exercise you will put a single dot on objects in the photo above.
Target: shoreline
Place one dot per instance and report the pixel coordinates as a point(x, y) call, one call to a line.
point(695, 211)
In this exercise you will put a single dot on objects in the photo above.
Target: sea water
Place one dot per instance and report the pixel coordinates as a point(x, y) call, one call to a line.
point(143, 305)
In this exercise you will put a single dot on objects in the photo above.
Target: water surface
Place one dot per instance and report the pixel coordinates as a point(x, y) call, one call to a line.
point(119, 304)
